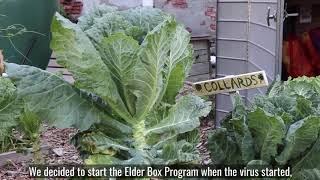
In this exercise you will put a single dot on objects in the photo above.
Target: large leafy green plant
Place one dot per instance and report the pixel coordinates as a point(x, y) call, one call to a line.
point(29, 94)
point(105, 20)
point(138, 83)
point(281, 128)
point(124, 96)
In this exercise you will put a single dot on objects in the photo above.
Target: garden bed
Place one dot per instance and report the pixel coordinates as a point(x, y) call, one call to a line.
point(57, 151)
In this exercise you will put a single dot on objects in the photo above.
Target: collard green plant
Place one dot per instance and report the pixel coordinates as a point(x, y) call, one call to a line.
point(138, 82)
point(124, 96)
point(30, 125)
point(280, 129)
point(30, 94)
point(105, 20)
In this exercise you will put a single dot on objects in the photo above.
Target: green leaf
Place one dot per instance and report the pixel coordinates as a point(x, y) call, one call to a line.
point(119, 53)
point(104, 21)
point(239, 109)
point(98, 159)
point(75, 52)
point(105, 26)
point(53, 99)
point(287, 119)
point(267, 131)
point(310, 174)
point(87, 20)
point(10, 107)
point(183, 117)
point(243, 138)
point(257, 163)
point(160, 53)
point(223, 148)
point(275, 87)
point(303, 108)
point(174, 153)
point(143, 20)
point(180, 59)
point(300, 88)
point(309, 160)
point(30, 124)
point(301, 135)
point(96, 143)
point(176, 80)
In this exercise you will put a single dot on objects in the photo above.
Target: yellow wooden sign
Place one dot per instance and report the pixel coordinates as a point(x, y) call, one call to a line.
point(231, 83)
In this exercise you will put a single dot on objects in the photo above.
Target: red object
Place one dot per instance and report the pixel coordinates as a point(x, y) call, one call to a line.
point(179, 3)
point(73, 8)
point(311, 52)
point(213, 27)
point(210, 12)
point(297, 62)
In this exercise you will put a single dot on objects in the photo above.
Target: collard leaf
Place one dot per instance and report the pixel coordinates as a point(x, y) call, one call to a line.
point(239, 109)
point(119, 53)
point(301, 135)
point(178, 65)
point(243, 138)
point(175, 153)
point(176, 81)
point(303, 108)
point(53, 99)
point(105, 26)
point(309, 160)
point(145, 18)
point(98, 159)
point(98, 143)
point(223, 148)
point(75, 52)
point(104, 20)
point(310, 174)
point(183, 117)
point(10, 107)
point(267, 131)
point(163, 51)
point(300, 88)
point(142, 20)
point(87, 20)
point(275, 87)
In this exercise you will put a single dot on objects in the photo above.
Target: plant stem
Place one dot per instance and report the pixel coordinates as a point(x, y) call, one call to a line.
point(37, 151)
point(138, 134)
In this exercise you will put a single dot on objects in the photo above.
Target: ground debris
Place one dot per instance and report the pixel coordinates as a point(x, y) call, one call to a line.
point(62, 153)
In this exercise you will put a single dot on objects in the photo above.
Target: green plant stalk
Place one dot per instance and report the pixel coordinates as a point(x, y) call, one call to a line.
point(138, 134)
point(36, 147)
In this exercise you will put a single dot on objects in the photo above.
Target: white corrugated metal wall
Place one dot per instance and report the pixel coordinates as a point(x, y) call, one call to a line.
point(247, 43)
point(232, 46)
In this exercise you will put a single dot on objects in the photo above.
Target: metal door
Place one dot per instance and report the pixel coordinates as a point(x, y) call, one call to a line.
point(249, 39)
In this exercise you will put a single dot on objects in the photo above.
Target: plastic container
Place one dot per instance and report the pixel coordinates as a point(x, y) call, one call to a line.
point(31, 46)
